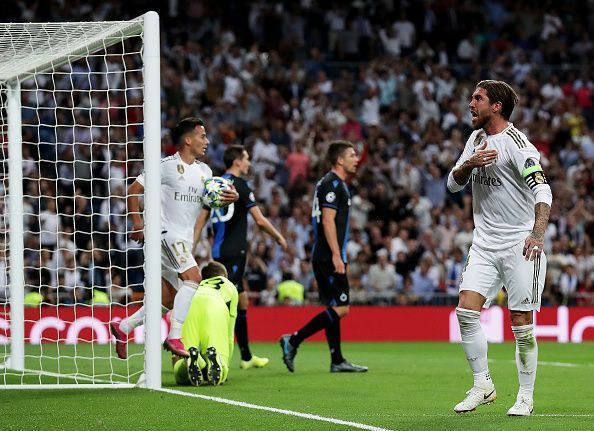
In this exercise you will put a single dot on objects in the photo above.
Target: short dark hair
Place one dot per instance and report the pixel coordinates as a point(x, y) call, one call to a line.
point(499, 91)
point(336, 149)
point(232, 153)
point(213, 269)
point(185, 126)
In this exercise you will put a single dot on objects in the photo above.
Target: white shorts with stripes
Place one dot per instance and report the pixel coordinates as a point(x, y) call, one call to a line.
point(176, 257)
point(486, 272)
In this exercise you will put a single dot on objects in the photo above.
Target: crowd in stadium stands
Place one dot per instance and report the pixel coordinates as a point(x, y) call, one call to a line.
point(284, 78)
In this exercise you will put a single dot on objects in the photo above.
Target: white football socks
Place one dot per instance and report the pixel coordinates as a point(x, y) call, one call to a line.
point(526, 358)
point(475, 346)
point(181, 306)
point(131, 322)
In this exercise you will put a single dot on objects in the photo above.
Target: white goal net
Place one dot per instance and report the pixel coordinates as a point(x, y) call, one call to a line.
point(79, 120)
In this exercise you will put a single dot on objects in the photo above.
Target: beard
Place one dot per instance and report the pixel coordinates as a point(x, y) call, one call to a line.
point(480, 121)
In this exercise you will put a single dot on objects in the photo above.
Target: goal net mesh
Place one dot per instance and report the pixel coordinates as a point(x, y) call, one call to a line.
point(81, 96)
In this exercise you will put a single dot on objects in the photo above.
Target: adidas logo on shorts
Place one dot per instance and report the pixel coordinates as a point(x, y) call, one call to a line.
point(526, 301)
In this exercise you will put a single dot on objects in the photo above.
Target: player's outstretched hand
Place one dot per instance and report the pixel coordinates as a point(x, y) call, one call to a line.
point(229, 195)
point(482, 157)
point(532, 247)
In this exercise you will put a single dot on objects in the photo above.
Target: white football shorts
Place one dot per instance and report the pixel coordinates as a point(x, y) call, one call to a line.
point(486, 272)
point(176, 257)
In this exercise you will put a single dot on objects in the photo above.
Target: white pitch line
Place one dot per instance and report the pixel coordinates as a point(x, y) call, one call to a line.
point(549, 363)
point(564, 364)
point(274, 410)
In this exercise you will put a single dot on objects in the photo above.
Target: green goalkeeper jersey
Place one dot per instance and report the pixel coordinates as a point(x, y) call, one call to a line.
point(211, 318)
point(225, 289)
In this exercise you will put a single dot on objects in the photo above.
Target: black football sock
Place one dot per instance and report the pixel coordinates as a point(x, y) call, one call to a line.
point(319, 322)
point(333, 337)
point(242, 335)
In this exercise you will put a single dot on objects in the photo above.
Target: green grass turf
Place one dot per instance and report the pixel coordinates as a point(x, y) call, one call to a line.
point(410, 386)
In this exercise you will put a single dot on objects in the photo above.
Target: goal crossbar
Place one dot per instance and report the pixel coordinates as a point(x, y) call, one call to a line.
point(56, 44)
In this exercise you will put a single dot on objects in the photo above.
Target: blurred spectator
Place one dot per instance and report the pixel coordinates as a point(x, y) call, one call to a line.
point(297, 163)
point(454, 267)
point(423, 285)
point(568, 283)
point(383, 279)
point(268, 296)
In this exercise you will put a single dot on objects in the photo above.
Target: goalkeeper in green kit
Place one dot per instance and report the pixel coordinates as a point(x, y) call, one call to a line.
point(208, 330)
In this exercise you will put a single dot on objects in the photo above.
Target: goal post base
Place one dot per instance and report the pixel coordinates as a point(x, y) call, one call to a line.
point(141, 383)
point(8, 364)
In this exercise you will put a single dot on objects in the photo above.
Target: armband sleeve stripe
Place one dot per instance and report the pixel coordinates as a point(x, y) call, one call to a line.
point(531, 169)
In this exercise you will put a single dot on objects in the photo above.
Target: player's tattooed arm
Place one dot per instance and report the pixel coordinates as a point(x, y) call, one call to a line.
point(541, 220)
point(535, 241)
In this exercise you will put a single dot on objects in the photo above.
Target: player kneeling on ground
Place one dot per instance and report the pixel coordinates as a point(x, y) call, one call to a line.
point(208, 330)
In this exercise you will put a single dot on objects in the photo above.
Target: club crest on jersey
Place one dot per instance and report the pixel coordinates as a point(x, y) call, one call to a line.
point(478, 140)
point(539, 178)
point(180, 169)
point(330, 197)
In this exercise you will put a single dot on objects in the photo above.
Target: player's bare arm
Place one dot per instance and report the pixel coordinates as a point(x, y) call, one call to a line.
point(481, 157)
point(200, 222)
point(329, 226)
point(134, 192)
point(535, 241)
point(264, 224)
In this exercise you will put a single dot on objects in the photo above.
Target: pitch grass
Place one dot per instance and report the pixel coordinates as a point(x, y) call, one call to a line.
point(410, 386)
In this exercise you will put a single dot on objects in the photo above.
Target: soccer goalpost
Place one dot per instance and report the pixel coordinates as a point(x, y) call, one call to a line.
point(80, 119)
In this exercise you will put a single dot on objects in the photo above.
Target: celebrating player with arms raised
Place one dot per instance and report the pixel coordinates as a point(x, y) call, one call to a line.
point(511, 206)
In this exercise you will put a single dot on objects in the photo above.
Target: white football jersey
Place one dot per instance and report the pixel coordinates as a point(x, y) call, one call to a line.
point(181, 194)
point(502, 200)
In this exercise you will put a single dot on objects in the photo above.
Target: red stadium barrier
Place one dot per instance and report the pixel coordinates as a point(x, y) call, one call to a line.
point(82, 324)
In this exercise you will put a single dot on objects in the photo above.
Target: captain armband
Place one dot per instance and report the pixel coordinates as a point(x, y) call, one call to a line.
point(533, 174)
point(536, 180)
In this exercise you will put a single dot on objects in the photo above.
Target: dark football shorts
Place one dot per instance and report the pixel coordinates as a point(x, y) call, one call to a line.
point(235, 268)
point(333, 287)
